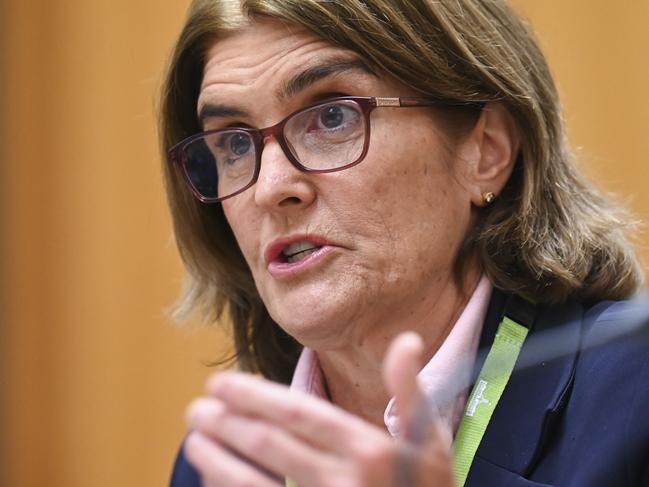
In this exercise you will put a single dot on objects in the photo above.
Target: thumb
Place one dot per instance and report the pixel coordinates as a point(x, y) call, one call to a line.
point(425, 457)
point(400, 368)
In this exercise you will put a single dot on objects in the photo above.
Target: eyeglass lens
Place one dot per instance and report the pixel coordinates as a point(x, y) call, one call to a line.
point(323, 137)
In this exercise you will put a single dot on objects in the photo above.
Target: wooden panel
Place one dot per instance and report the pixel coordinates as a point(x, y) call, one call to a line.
point(598, 54)
point(98, 377)
point(95, 377)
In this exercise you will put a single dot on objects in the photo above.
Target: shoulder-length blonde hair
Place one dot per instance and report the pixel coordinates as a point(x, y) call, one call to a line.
point(550, 235)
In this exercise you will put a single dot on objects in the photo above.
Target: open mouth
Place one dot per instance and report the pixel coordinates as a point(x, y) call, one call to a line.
point(297, 251)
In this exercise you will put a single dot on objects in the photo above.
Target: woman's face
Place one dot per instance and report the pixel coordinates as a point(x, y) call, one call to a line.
point(385, 232)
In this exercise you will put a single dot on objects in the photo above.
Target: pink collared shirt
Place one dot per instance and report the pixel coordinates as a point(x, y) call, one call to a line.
point(449, 365)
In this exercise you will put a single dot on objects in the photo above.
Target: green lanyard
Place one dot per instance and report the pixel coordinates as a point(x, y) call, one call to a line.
point(490, 385)
point(486, 393)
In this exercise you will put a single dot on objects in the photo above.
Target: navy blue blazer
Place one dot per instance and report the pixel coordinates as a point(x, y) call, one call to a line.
point(577, 420)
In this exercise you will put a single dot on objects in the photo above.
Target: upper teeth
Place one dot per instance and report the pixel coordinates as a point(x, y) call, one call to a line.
point(297, 247)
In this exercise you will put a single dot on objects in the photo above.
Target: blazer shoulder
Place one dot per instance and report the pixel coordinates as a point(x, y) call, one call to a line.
point(184, 474)
point(618, 331)
point(611, 388)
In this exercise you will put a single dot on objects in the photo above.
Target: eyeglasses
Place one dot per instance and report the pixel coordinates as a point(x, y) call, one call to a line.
point(326, 137)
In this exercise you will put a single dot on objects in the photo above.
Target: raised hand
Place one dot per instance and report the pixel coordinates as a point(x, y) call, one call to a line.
point(247, 431)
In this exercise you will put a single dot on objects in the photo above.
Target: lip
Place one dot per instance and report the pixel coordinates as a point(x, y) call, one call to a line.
point(278, 268)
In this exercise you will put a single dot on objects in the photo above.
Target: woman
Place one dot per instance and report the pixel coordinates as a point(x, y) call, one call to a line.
point(343, 174)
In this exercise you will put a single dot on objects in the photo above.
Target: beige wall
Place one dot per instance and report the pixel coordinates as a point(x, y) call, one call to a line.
point(94, 376)
point(599, 56)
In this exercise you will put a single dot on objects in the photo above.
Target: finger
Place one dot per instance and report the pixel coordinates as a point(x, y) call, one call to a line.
point(436, 457)
point(265, 444)
point(309, 418)
point(400, 368)
point(431, 466)
point(218, 466)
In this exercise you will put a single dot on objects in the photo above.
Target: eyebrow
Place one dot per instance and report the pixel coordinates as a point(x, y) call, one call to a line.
point(292, 87)
point(315, 73)
point(218, 110)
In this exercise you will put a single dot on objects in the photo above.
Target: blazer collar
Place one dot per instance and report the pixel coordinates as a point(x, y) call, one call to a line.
point(534, 398)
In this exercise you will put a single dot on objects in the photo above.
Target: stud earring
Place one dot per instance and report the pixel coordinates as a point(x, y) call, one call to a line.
point(488, 198)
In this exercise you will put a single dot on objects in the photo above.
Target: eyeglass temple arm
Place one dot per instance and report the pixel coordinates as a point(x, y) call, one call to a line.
point(425, 102)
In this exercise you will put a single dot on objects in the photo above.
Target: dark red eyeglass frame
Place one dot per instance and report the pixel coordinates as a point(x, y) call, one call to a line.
point(367, 105)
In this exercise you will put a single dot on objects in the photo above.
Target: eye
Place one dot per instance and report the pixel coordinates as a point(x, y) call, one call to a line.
point(239, 144)
point(334, 117)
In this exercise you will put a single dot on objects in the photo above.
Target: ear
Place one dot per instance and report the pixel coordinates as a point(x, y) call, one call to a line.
point(495, 142)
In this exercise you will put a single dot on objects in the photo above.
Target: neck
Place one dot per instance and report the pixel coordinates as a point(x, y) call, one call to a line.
point(353, 374)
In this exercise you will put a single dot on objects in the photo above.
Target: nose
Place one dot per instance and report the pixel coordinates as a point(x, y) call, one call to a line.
point(280, 185)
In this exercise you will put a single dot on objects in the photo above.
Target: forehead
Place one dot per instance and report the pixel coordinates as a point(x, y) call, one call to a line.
point(261, 57)
point(259, 46)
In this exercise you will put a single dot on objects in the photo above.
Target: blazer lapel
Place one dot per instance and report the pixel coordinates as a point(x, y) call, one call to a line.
point(533, 400)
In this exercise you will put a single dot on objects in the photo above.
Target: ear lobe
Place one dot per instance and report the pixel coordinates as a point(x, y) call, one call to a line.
point(498, 141)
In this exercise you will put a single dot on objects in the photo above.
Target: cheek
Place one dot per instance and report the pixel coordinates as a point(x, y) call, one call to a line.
point(244, 226)
point(423, 207)
point(412, 182)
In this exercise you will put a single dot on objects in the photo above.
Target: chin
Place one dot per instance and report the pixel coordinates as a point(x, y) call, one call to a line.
point(314, 324)
point(324, 310)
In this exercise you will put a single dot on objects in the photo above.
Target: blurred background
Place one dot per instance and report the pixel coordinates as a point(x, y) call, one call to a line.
point(94, 376)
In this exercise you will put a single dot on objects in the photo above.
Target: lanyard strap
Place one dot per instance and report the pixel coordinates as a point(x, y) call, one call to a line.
point(488, 389)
